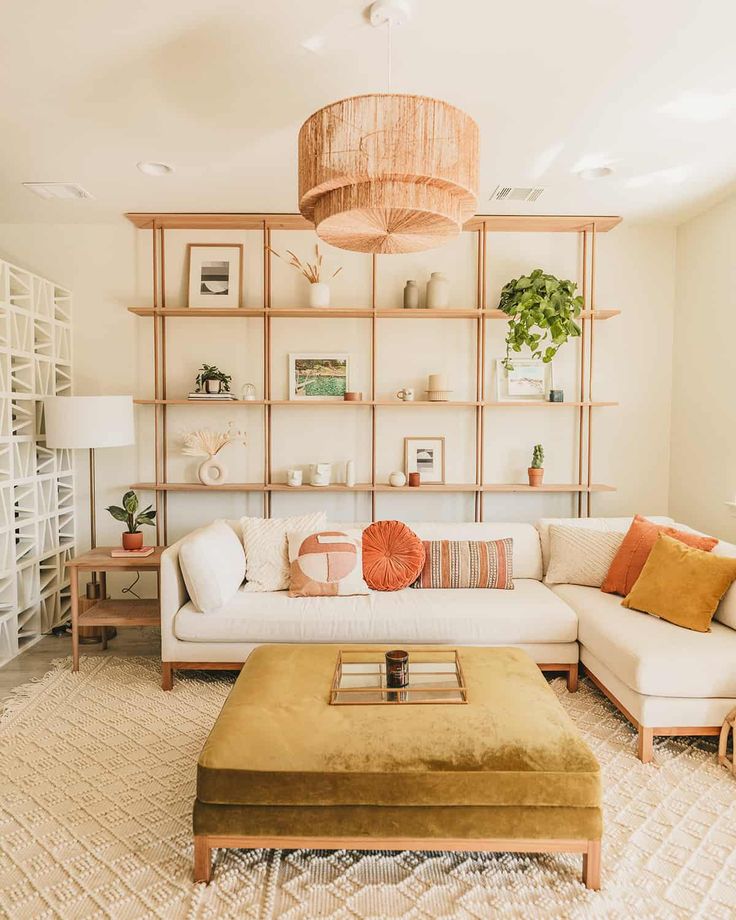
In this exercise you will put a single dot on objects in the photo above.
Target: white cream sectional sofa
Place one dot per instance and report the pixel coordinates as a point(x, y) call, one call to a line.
point(666, 680)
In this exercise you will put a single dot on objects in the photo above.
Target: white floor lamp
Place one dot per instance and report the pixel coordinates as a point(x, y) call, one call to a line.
point(89, 422)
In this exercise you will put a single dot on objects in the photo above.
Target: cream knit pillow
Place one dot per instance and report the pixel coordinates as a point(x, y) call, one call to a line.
point(267, 551)
point(579, 556)
point(212, 564)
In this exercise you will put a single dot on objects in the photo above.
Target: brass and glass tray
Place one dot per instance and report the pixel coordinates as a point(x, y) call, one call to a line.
point(435, 676)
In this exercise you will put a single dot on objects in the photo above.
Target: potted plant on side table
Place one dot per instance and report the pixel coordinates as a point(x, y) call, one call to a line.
point(536, 470)
point(128, 514)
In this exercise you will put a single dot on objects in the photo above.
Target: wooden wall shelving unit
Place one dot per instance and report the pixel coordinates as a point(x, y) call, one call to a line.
point(586, 228)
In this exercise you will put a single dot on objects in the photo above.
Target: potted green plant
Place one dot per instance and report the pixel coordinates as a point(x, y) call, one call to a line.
point(129, 514)
point(211, 379)
point(536, 470)
point(541, 309)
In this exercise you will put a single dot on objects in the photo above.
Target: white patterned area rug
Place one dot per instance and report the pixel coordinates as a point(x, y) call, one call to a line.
point(97, 778)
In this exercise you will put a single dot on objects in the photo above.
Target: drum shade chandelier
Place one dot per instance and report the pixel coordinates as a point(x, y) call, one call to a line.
point(385, 172)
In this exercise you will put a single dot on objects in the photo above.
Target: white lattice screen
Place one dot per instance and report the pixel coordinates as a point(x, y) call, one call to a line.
point(36, 484)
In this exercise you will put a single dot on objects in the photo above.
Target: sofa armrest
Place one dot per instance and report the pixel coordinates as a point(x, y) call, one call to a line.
point(172, 595)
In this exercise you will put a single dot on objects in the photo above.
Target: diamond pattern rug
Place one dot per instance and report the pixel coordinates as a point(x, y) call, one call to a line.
point(97, 778)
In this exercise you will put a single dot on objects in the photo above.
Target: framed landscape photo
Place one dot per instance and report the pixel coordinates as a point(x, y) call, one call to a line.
point(319, 376)
point(527, 379)
point(425, 456)
point(215, 275)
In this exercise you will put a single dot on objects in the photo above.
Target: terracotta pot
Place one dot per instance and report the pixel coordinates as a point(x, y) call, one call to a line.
point(133, 540)
point(535, 476)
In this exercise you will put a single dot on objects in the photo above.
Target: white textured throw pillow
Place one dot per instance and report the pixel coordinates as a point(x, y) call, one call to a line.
point(267, 551)
point(212, 562)
point(578, 556)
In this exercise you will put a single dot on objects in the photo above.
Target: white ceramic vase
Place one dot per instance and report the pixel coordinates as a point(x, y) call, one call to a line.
point(319, 294)
point(212, 472)
point(397, 479)
point(438, 291)
point(350, 473)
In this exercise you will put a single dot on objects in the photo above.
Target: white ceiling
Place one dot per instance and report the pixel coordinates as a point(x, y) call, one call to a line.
point(220, 88)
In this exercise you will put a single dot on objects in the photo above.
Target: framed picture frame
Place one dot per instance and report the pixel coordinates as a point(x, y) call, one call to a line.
point(318, 375)
point(530, 379)
point(215, 273)
point(425, 456)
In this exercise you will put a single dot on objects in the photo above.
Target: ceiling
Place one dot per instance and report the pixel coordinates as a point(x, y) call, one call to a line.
point(219, 90)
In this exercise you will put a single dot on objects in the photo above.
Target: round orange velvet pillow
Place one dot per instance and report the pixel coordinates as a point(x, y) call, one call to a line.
point(393, 556)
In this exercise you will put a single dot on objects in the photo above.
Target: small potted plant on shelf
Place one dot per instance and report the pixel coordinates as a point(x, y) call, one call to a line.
point(540, 307)
point(536, 470)
point(128, 514)
point(319, 290)
point(210, 379)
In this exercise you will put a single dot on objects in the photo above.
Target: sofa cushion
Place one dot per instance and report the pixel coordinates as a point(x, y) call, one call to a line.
point(527, 554)
point(616, 524)
point(530, 613)
point(267, 551)
point(651, 656)
point(213, 566)
point(726, 612)
point(393, 556)
point(580, 555)
point(467, 564)
point(681, 584)
point(325, 563)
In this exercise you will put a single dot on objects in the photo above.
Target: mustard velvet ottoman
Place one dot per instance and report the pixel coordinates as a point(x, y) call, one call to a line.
point(505, 772)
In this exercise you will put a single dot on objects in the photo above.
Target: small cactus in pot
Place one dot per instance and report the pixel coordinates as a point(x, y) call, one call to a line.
point(536, 470)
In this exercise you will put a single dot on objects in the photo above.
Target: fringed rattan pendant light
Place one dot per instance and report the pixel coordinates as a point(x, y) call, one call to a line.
point(388, 173)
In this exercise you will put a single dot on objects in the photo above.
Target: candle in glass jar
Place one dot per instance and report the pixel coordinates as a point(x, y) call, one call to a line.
point(397, 668)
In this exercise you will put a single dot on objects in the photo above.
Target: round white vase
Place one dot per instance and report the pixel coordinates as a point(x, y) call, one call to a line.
point(438, 291)
point(319, 294)
point(397, 479)
point(212, 472)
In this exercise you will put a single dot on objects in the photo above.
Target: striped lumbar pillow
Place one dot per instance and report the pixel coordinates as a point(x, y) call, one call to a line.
point(467, 564)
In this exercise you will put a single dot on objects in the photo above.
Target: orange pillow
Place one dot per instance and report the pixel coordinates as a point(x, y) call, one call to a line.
point(393, 556)
point(635, 549)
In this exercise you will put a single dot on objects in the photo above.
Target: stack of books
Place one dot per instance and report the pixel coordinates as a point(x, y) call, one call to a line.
point(132, 553)
point(211, 396)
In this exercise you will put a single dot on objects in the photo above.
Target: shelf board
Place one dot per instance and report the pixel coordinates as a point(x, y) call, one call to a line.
point(333, 487)
point(200, 402)
point(124, 612)
point(429, 487)
point(426, 403)
point(546, 487)
point(500, 223)
point(343, 313)
point(543, 404)
point(198, 487)
point(320, 403)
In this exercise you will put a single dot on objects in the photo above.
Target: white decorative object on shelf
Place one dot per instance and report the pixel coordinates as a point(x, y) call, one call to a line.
point(207, 443)
point(294, 478)
point(397, 479)
point(319, 294)
point(37, 526)
point(438, 291)
point(350, 473)
point(320, 474)
point(406, 394)
point(411, 295)
point(248, 392)
point(438, 388)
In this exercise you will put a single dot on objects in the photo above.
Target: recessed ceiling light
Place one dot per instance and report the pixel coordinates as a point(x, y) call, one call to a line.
point(154, 169)
point(595, 172)
point(63, 190)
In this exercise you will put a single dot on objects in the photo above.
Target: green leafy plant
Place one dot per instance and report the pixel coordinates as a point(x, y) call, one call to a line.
point(541, 308)
point(128, 513)
point(537, 457)
point(212, 372)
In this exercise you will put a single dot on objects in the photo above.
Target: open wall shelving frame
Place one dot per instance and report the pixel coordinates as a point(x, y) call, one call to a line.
point(587, 228)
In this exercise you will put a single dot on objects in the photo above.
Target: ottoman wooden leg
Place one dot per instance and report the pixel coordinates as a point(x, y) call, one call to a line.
point(592, 865)
point(202, 859)
point(572, 678)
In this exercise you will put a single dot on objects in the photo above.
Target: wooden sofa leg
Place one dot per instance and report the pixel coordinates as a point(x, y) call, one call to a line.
point(572, 678)
point(167, 675)
point(592, 865)
point(202, 859)
point(645, 750)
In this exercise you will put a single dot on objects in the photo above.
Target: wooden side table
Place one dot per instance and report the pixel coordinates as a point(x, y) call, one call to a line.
point(106, 611)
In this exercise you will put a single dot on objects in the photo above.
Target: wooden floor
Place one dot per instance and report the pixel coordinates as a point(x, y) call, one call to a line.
point(36, 661)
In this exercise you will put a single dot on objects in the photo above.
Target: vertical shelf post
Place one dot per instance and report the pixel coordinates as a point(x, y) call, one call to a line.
point(267, 478)
point(374, 270)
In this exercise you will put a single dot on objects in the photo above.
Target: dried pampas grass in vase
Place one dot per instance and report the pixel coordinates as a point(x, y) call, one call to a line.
point(207, 443)
point(319, 290)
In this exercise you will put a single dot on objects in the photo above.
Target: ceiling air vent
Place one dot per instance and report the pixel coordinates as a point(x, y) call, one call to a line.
point(64, 190)
point(516, 193)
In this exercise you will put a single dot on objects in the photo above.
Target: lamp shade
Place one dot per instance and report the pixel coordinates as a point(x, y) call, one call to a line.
point(89, 421)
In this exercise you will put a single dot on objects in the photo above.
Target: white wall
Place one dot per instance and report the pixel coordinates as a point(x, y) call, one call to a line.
point(108, 268)
point(703, 468)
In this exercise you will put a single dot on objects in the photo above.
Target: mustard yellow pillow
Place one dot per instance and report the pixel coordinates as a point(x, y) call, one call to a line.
point(681, 584)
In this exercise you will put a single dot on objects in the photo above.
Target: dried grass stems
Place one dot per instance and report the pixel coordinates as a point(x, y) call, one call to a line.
point(311, 271)
point(207, 443)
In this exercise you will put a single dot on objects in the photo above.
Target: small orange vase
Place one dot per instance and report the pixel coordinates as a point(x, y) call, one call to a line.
point(536, 475)
point(133, 540)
